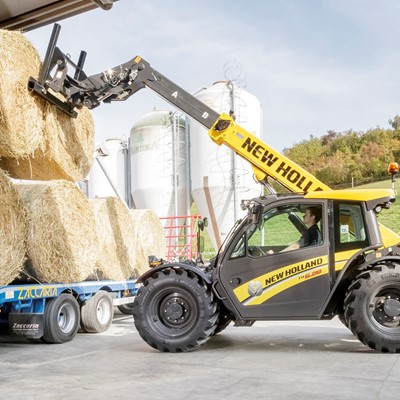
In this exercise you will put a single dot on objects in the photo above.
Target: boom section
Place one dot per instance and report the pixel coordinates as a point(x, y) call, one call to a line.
point(265, 161)
point(175, 95)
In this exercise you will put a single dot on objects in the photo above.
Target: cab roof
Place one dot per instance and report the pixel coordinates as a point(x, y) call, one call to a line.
point(353, 195)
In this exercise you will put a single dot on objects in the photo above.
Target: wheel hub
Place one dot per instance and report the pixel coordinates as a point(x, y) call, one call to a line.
point(391, 307)
point(175, 310)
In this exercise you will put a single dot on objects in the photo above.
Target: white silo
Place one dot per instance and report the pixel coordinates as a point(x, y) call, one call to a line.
point(159, 163)
point(107, 177)
point(220, 178)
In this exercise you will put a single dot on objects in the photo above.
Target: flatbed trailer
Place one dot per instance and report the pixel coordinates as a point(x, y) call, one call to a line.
point(54, 312)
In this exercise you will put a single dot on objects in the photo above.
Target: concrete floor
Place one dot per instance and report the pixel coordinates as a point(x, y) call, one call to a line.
point(271, 360)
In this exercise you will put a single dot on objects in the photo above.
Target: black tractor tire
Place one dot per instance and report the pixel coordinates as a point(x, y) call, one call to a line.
point(174, 311)
point(97, 313)
point(126, 309)
point(61, 319)
point(223, 321)
point(372, 307)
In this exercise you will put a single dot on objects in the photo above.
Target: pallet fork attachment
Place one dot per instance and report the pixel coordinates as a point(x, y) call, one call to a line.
point(56, 62)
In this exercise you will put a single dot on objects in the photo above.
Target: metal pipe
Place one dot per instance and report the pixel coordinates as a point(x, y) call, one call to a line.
point(103, 168)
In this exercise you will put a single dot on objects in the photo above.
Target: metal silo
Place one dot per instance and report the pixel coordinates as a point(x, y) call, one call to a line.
point(159, 163)
point(221, 179)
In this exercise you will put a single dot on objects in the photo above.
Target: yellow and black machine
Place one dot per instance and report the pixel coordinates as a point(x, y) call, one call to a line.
point(352, 269)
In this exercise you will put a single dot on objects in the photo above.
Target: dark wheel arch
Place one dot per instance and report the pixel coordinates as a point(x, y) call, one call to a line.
point(176, 266)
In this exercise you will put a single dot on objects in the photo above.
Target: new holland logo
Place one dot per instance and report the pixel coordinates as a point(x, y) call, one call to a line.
point(255, 288)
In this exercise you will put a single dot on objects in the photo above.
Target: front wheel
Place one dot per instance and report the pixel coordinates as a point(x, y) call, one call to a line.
point(372, 308)
point(174, 311)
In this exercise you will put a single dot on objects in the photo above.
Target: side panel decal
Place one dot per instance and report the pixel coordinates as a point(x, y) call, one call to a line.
point(262, 288)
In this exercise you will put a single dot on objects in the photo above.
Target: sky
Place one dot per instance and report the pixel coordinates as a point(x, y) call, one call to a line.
point(314, 65)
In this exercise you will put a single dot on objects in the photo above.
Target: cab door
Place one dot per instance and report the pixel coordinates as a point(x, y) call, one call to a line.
point(266, 280)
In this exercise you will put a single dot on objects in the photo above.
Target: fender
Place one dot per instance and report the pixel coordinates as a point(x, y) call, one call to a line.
point(379, 261)
point(187, 267)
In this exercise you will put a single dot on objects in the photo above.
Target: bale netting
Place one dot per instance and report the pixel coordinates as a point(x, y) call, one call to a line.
point(62, 241)
point(13, 231)
point(21, 114)
point(60, 147)
point(119, 255)
point(149, 234)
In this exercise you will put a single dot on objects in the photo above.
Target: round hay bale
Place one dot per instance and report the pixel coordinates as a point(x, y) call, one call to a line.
point(149, 234)
point(119, 255)
point(21, 115)
point(38, 141)
point(13, 231)
point(62, 241)
point(68, 153)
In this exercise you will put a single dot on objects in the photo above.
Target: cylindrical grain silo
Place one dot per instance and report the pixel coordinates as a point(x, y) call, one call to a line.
point(158, 163)
point(220, 178)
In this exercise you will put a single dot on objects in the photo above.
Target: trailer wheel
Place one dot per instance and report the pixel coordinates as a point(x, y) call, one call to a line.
point(174, 311)
point(97, 313)
point(61, 319)
point(372, 308)
point(126, 309)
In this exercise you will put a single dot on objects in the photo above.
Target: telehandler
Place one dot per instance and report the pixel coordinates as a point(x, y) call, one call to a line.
point(352, 272)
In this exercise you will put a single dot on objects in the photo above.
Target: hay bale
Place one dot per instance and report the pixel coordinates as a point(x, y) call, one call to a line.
point(62, 241)
point(13, 231)
point(61, 147)
point(21, 116)
point(67, 155)
point(119, 256)
point(149, 235)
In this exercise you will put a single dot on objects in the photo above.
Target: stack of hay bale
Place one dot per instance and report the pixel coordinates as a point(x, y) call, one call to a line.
point(50, 227)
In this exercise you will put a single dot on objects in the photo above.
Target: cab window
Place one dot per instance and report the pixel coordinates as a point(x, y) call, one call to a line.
point(350, 229)
point(277, 230)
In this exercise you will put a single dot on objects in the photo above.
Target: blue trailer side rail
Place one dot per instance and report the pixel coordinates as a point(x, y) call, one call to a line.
point(23, 306)
point(21, 295)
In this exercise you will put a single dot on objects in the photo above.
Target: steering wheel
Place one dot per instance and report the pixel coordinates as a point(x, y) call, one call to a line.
point(256, 251)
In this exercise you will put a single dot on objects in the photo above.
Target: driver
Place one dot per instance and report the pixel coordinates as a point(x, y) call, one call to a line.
point(312, 235)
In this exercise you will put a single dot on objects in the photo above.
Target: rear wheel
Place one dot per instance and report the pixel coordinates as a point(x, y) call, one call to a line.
point(97, 313)
point(372, 308)
point(61, 319)
point(174, 311)
point(126, 309)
